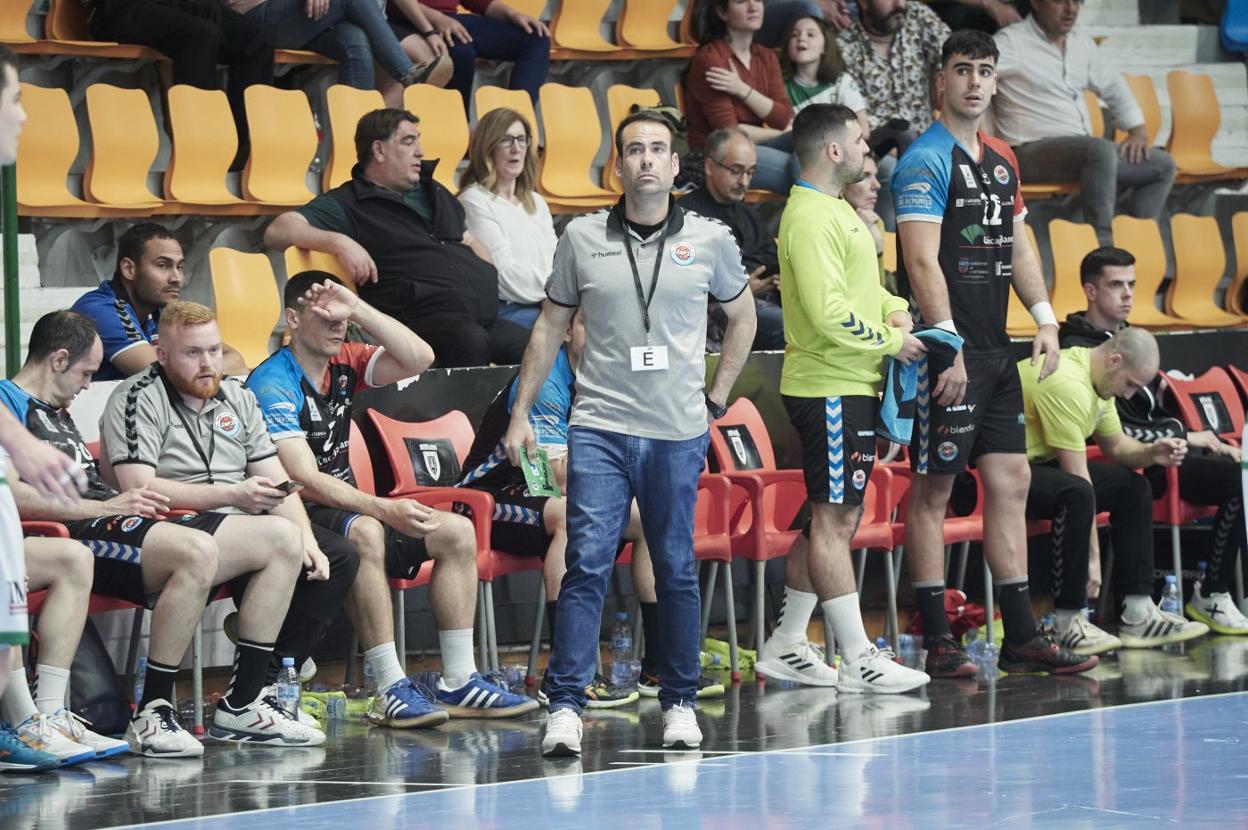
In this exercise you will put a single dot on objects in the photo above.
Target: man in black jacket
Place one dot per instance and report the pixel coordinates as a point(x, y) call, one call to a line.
point(1210, 473)
point(402, 239)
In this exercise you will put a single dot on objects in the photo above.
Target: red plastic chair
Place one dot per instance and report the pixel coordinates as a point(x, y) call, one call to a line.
point(1240, 378)
point(491, 564)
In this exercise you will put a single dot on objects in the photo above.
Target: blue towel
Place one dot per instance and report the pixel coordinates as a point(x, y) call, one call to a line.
point(895, 421)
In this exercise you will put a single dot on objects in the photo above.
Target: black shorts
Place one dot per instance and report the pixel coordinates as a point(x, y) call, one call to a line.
point(518, 526)
point(989, 419)
point(404, 554)
point(838, 445)
point(116, 542)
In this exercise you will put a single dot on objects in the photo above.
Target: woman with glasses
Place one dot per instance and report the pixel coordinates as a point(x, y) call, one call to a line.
point(734, 82)
point(505, 213)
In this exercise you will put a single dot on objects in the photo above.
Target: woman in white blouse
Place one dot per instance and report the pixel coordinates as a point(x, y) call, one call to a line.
point(506, 214)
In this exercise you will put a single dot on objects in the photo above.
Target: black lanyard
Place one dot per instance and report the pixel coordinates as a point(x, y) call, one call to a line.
point(654, 280)
point(190, 433)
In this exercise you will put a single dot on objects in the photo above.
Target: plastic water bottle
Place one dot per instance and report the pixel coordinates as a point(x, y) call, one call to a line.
point(1171, 599)
point(1199, 584)
point(370, 682)
point(621, 650)
point(288, 687)
point(984, 655)
point(140, 676)
point(908, 646)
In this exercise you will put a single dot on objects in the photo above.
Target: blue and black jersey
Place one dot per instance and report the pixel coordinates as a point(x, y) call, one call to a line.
point(117, 322)
point(56, 427)
point(977, 203)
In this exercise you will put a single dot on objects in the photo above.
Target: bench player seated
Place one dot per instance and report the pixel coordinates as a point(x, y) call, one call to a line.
point(528, 525)
point(305, 390)
point(168, 566)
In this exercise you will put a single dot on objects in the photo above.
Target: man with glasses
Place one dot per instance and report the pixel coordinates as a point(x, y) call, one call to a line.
point(731, 162)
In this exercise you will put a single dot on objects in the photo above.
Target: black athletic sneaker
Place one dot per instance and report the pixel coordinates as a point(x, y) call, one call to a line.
point(1042, 655)
point(708, 687)
point(946, 659)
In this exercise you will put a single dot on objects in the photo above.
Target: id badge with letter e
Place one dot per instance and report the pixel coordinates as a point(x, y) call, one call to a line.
point(649, 358)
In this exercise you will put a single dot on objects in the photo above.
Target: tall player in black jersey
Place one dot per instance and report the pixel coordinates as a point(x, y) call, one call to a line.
point(959, 214)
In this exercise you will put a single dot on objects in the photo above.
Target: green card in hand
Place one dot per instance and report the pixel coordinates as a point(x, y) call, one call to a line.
point(539, 476)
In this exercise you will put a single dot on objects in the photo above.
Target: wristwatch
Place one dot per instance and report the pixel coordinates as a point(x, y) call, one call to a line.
point(717, 410)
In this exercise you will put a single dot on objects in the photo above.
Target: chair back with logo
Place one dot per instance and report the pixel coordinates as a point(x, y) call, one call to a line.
point(424, 453)
point(1209, 402)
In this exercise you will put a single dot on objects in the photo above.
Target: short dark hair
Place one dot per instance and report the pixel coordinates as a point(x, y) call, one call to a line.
point(718, 139)
point(130, 245)
point(831, 62)
point(299, 284)
point(378, 125)
point(7, 58)
point(68, 330)
point(969, 43)
point(1095, 263)
point(707, 25)
point(641, 115)
point(816, 125)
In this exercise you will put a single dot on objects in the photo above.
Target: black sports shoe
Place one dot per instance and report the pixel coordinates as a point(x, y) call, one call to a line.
point(947, 659)
point(1042, 655)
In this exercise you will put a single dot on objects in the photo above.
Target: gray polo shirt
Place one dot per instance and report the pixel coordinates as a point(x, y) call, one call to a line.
point(700, 262)
point(146, 422)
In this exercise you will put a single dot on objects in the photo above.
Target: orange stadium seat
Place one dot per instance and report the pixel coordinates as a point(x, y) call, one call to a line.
point(1194, 118)
point(573, 136)
point(247, 302)
point(345, 107)
point(577, 26)
point(1070, 243)
point(643, 25)
point(890, 251)
point(204, 144)
point(443, 128)
point(1142, 238)
point(1199, 263)
point(488, 98)
point(299, 260)
point(45, 154)
point(1146, 96)
point(1018, 322)
point(620, 101)
point(68, 31)
point(125, 142)
point(283, 144)
point(1236, 301)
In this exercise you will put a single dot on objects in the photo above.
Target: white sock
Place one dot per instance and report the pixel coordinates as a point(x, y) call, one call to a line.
point(795, 611)
point(1135, 608)
point(50, 688)
point(846, 619)
point(17, 704)
point(1064, 616)
point(384, 662)
point(458, 664)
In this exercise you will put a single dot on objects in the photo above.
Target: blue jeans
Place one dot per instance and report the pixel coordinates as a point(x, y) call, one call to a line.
point(519, 313)
point(769, 335)
point(498, 40)
point(352, 32)
point(606, 471)
point(778, 166)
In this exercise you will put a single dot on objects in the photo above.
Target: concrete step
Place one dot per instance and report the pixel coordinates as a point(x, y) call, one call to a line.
point(1110, 13)
point(1168, 46)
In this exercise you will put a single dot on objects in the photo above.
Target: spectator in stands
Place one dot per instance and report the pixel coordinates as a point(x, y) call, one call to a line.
point(863, 196)
point(196, 35)
point(814, 72)
point(780, 14)
point(734, 82)
point(222, 461)
point(352, 32)
point(493, 31)
point(984, 15)
point(169, 566)
point(62, 567)
point(126, 309)
point(422, 51)
point(506, 214)
point(310, 423)
point(893, 51)
point(730, 164)
point(1039, 109)
point(1210, 473)
point(1060, 414)
point(401, 237)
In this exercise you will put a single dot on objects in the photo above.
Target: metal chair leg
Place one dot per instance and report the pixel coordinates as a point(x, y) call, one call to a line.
point(760, 597)
point(1177, 552)
point(1107, 572)
point(861, 573)
point(352, 650)
point(708, 596)
point(964, 553)
point(535, 647)
point(639, 634)
point(829, 642)
point(734, 659)
point(493, 663)
point(132, 651)
point(1239, 579)
point(197, 678)
point(891, 622)
point(988, 601)
point(483, 636)
point(400, 627)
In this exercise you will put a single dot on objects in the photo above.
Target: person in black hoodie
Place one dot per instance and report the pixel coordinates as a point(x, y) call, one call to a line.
point(1210, 473)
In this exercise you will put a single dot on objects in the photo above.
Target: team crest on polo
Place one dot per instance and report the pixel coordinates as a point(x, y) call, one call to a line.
point(130, 524)
point(683, 253)
point(227, 424)
point(1001, 174)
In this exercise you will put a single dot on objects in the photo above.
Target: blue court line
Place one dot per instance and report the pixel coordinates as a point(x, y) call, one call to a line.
point(1173, 763)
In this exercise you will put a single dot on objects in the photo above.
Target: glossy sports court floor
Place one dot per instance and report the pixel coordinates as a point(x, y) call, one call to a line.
point(1147, 739)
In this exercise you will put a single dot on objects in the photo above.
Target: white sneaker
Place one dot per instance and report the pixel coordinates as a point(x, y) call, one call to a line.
point(262, 721)
point(1082, 637)
point(799, 662)
point(1218, 611)
point(876, 671)
point(1158, 629)
point(75, 728)
point(680, 728)
point(156, 733)
point(563, 734)
point(54, 741)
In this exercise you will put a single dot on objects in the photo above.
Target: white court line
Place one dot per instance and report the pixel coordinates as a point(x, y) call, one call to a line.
point(681, 752)
point(843, 754)
point(498, 784)
point(652, 764)
point(288, 781)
